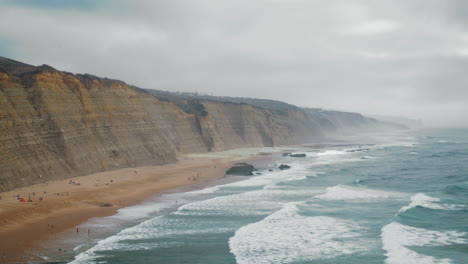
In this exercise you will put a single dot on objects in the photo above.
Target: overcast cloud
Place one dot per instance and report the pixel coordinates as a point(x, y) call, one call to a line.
point(397, 57)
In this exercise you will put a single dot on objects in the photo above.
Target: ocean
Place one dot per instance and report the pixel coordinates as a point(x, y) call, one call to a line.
point(393, 197)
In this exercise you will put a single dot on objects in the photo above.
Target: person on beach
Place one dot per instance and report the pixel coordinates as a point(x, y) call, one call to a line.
point(77, 230)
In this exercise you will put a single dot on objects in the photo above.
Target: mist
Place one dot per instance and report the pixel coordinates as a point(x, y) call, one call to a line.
point(393, 58)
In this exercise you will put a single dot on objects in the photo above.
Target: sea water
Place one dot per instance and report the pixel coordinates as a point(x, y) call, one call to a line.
point(395, 198)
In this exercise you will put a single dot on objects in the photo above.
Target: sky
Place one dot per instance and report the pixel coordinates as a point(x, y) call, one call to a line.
point(387, 57)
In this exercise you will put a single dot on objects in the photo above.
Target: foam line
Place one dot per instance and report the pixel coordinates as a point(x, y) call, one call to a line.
point(288, 237)
point(396, 237)
point(423, 200)
point(341, 192)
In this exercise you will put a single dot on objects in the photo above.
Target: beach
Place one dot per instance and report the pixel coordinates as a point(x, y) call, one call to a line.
point(53, 207)
point(401, 198)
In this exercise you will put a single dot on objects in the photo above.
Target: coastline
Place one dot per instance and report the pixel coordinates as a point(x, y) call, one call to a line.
point(64, 206)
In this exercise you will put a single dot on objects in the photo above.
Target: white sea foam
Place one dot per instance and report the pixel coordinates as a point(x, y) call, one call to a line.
point(142, 210)
point(77, 248)
point(298, 171)
point(423, 200)
point(259, 202)
point(287, 237)
point(205, 190)
point(132, 213)
point(396, 142)
point(256, 202)
point(336, 156)
point(396, 237)
point(331, 152)
point(341, 192)
point(247, 203)
point(230, 205)
point(154, 228)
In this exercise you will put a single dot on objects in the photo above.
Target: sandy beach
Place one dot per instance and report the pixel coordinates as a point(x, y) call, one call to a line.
point(53, 207)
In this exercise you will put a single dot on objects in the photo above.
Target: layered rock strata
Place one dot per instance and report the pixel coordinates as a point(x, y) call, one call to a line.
point(56, 125)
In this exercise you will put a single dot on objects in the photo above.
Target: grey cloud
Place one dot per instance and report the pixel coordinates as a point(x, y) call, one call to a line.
point(376, 57)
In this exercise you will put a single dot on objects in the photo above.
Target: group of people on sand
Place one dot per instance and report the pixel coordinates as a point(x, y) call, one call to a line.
point(30, 200)
point(74, 182)
point(194, 178)
point(78, 230)
point(21, 199)
point(51, 227)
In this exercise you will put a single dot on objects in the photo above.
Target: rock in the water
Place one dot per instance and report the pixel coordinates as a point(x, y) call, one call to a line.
point(297, 155)
point(284, 167)
point(286, 154)
point(241, 169)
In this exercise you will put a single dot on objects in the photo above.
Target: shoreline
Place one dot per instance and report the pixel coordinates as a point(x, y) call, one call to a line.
point(64, 206)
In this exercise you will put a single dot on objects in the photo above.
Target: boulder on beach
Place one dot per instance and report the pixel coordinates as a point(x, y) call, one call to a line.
point(241, 169)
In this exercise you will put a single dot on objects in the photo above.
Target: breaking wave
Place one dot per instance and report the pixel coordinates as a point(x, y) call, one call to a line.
point(287, 237)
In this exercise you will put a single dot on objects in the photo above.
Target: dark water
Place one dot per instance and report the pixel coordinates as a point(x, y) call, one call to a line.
point(390, 198)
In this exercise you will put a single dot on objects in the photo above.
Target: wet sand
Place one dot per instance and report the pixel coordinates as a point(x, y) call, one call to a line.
point(65, 204)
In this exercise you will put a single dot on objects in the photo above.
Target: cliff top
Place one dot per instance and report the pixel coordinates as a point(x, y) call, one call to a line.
point(15, 68)
point(20, 70)
point(274, 106)
point(189, 102)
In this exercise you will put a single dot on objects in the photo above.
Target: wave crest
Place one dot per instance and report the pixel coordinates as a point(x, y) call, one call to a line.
point(396, 237)
point(425, 201)
point(340, 192)
point(288, 237)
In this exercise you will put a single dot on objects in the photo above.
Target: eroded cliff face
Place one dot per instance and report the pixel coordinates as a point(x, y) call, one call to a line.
point(337, 121)
point(55, 125)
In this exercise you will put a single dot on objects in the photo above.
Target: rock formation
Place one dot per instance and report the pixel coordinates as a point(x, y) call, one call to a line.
point(56, 125)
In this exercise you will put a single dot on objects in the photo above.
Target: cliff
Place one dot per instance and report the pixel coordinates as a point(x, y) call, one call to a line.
point(55, 125)
point(337, 121)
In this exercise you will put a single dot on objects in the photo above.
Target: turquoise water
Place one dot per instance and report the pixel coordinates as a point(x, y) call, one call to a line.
point(388, 198)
